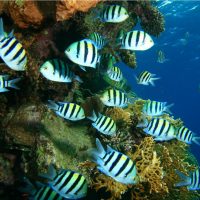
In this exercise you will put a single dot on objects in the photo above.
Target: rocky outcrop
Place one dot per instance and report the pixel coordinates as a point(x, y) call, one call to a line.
point(27, 13)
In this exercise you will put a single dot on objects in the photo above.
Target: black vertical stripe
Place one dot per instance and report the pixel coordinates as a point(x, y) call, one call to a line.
point(156, 104)
point(59, 68)
point(93, 53)
point(111, 126)
point(107, 12)
point(113, 11)
point(74, 184)
point(109, 158)
point(151, 106)
point(78, 49)
point(79, 189)
point(120, 98)
point(156, 125)
point(186, 134)
point(190, 137)
point(162, 128)
point(56, 196)
point(78, 112)
point(115, 162)
point(18, 53)
point(54, 66)
point(181, 131)
point(144, 38)
point(60, 178)
point(85, 51)
point(108, 124)
point(109, 95)
point(151, 124)
point(104, 156)
point(115, 96)
point(73, 110)
point(130, 170)
point(103, 122)
point(168, 129)
point(7, 42)
point(11, 48)
point(3, 39)
point(22, 59)
point(61, 106)
point(123, 167)
point(119, 11)
point(66, 109)
point(68, 179)
point(130, 38)
point(137, 38)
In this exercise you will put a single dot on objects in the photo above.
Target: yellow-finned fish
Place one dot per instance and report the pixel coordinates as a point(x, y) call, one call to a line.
point(12, 51)
point(70, 111)
point(146, 78)
point(114, 164)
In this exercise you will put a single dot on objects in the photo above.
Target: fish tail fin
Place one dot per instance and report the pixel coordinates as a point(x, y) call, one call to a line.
point(152, 81)
point(1, 29)
point(196, 140)
point(77, 78)
point(185, 179)
point(143, 124)
point(11, 83)
point(51, 173)
point(53, 105)
point(167, 108)
point(97, 153)
point(93, 117)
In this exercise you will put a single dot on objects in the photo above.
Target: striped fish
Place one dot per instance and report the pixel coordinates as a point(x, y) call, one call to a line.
point(187, 136)
point(70, 111)
point(146, 78)
point(5, 83)
point(11, 51)
point(156, 108)
point(58, 70)
point(159, 128)
point(40, 191)
point(67, 183)
point(99, 40)
point(83, 53)
point(113, 14)
point(192, 181)
point(103, 124)
point(114, 97)
point(115, 74)
point(114, 164)
point(136, 41)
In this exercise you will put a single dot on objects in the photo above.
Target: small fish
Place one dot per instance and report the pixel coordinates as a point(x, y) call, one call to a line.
point(4, 83)
point(114, 164)
point(156, 108)
point(67, 183)
point(83, 53)
point(11, 51)
point(187, 136)
point(159, 128)
point(161, 57)
point(58, 70)
point(40, 191)
point(114, 14)
point(70, 111)
point(114, 73)
point(192, 181)
point(114, 97)
point(99, 40)
point(103, 124)
point(136, 41)
point(146, 78)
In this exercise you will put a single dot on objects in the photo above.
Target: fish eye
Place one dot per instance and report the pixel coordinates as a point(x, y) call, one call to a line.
point(68, 50)
point(45, 68)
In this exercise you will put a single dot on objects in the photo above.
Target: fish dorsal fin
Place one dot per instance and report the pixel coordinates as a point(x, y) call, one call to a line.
point(109, 149)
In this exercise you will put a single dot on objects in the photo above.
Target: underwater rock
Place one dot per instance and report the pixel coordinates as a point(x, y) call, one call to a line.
point(66, 9)
point(25, 14)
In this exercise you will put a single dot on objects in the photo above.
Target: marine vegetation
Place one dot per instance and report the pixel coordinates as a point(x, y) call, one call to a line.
point(62, 98)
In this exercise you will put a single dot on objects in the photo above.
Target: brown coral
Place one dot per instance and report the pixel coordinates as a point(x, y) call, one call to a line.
point(66, 9)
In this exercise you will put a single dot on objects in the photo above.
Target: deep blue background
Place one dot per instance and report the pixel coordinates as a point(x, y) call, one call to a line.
point(180, 76)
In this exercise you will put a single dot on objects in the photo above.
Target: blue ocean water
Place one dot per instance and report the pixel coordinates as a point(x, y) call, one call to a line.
point(180, 75)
